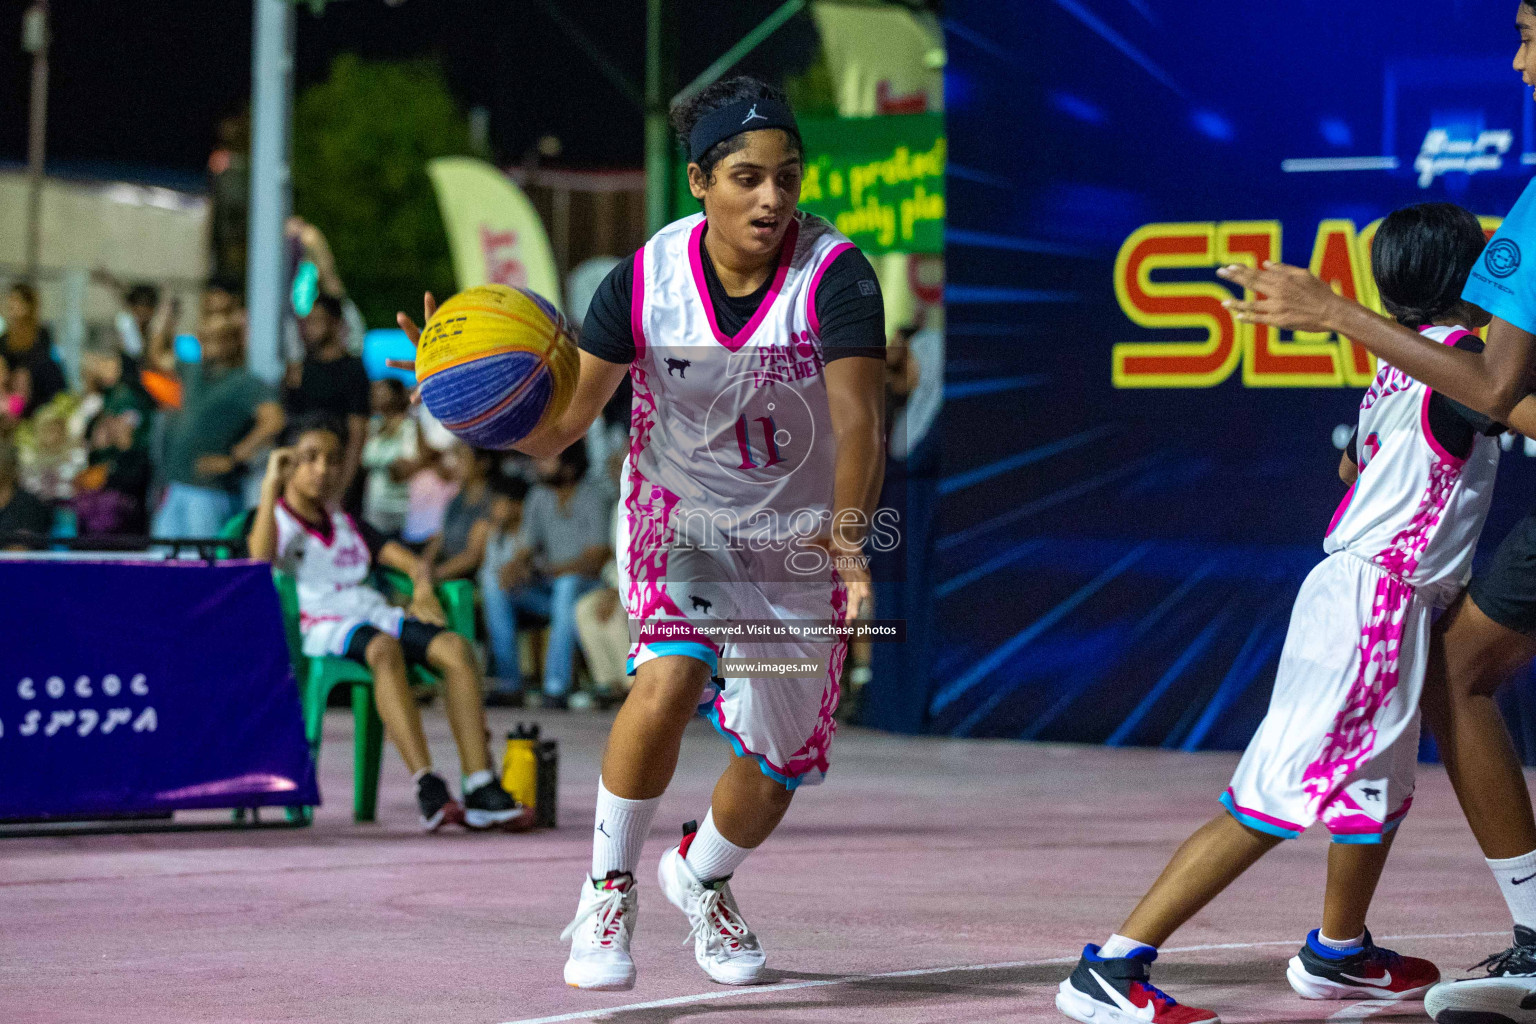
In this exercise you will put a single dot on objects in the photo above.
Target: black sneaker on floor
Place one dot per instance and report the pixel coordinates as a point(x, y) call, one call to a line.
point(490, 806)
point(438, 807)
point(1365, 972)
point(1506, 995)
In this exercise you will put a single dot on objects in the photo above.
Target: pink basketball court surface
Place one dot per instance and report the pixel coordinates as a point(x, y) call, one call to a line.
point(927, 880)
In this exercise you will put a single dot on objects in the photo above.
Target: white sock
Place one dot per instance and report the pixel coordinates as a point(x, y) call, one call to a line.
point(711, 855)
point(1119, 946)
point(621, 828)
point(1517, 881)
point(1341, 944)
point(475, 780)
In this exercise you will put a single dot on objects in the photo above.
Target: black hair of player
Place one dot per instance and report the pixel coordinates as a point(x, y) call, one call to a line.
point(712, 97)
point(1421, 257)
point(311, 422)
point(142, 295)
point(507, 485)
point(396, 387)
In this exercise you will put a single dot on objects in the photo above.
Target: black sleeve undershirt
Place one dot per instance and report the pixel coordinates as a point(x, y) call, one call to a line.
point(1454, 425)
point(605, 331)
point(848, 306)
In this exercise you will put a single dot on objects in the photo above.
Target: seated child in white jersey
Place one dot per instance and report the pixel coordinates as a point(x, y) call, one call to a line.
point(298, 528)
point(1340, 741)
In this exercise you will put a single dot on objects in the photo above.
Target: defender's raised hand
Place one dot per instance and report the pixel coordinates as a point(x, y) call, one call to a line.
point(1284, 296)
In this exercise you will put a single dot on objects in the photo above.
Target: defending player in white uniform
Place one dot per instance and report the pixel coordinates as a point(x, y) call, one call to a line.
point(1340, 742)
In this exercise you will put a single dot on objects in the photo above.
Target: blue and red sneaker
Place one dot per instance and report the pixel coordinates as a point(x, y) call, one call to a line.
point(1364, 972)
point(1116, 991)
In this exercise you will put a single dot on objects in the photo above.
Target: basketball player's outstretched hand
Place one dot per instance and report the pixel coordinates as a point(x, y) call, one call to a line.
point(428, 307)
point(1284, 296)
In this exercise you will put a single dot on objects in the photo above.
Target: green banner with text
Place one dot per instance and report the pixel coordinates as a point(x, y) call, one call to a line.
point(880, 180)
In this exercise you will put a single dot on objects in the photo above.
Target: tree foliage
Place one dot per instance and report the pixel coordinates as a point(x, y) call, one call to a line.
point(361, 143)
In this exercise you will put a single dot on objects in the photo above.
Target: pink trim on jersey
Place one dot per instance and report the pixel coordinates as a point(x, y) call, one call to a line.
point(1429, 435)
point(637, 304)
point(1261, 816)
point(810, 299)
point(1343, 507)
point(306, 525)
point(695, 261)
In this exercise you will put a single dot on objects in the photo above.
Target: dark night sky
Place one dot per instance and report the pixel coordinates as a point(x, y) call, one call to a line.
point(142, 83)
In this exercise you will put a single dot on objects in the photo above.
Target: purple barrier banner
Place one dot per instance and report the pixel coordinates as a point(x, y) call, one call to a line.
point(132, 687)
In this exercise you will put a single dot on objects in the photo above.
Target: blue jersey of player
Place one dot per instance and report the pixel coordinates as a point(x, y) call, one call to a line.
point(1503, 280)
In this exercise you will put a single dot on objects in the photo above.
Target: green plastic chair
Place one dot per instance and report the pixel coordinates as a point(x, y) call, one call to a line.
point(317, 677)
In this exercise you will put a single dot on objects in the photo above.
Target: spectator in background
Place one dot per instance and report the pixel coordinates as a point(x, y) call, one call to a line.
point(566, 540)
point(331, 380)
point(299, 528)
point(456, 550)
point(227, 416)
point(507, 586)
point(111, 494)
point(13, 399)
point(433, 485)
point(26, 347)
point(389, 457)
point(20, 512)
point(50, 458)
point(135, 321)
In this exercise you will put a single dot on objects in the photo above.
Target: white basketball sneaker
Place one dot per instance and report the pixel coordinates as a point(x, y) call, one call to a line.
point(601, 932)
point(722, 943)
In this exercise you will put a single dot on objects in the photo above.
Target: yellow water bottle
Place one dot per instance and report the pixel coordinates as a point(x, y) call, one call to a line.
point(520, 767)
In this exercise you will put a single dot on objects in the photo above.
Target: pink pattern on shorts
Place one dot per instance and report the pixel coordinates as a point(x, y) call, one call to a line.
point(812, 755)
point(1352, 740)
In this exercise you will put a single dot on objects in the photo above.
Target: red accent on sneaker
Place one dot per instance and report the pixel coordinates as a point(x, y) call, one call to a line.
point(453, 814)
point(1167, 1011)
point(682, 847)
point(1410, 972)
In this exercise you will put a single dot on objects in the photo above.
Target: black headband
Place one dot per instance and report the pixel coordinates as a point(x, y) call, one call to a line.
point(734, 118)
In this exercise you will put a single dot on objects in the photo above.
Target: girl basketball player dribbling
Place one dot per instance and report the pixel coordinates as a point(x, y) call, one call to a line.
point(747, 422)
point(1339, 744)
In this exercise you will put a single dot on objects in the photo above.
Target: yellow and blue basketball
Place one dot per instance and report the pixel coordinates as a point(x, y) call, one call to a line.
point(494, 362)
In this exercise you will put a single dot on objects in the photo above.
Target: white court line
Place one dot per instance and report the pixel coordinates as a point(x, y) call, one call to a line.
point(789, 986)
point(1364, 1008)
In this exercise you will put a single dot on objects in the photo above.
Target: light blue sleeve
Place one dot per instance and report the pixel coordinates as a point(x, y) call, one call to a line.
point(1503, 281)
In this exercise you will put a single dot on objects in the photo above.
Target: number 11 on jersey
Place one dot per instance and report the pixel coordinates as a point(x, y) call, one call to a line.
point(743, 442)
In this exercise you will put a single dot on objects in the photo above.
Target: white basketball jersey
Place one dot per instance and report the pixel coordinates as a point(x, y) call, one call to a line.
point(1416, 510)
point(728, 433)
point(329, 574)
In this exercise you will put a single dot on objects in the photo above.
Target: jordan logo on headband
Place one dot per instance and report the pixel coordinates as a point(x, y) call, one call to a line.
point(753, 113)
